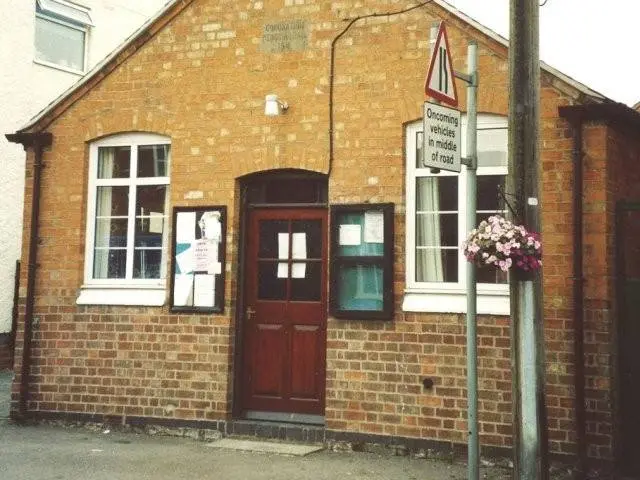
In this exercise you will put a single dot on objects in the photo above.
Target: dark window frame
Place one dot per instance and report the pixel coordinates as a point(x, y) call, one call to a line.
point(385, 261)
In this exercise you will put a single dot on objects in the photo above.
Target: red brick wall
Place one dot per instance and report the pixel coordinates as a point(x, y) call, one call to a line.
point(201, 80)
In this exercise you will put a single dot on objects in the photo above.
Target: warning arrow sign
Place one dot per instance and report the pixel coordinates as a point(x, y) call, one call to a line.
point(440, 83)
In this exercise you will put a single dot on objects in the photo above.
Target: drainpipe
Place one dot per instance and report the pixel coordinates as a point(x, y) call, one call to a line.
point(578, 296)
point(38, 141)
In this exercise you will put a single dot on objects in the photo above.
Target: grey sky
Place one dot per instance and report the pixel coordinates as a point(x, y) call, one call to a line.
point(592, 41)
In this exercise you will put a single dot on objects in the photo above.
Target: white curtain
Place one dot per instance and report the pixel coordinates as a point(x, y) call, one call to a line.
point(102, 237)
point(428, 260)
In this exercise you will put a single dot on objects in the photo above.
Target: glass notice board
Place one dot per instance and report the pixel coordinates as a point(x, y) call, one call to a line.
point(197, 259)
point(362, 261)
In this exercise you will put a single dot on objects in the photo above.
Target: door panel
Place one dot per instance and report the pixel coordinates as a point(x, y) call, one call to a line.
point(285, 317)
point(304, 357)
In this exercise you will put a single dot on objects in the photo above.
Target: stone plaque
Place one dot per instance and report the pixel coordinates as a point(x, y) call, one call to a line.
point(283, 37)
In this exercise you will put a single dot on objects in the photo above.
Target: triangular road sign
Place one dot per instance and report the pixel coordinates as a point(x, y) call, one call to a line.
point(440, 83)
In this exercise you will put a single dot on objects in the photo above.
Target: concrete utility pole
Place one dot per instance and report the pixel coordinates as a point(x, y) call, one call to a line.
point(527, 357)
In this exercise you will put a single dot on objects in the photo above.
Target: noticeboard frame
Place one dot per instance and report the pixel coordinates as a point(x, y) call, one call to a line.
point(183, 254)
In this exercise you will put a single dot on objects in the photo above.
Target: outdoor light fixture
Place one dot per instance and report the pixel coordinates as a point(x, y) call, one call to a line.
point(273, 107)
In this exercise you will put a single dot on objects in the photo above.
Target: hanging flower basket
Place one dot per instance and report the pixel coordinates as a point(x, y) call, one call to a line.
point(499, 243)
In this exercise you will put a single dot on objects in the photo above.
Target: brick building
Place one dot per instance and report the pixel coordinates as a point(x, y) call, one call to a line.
point(235, 228)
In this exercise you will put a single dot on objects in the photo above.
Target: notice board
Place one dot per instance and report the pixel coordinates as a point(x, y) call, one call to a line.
point(197, 259)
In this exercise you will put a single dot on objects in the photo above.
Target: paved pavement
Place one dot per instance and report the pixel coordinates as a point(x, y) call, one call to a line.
point(54, 452)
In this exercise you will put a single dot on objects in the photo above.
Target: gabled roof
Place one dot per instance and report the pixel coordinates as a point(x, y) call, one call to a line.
point(174, 7)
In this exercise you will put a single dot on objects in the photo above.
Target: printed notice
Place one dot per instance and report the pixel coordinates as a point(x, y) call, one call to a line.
point(210, 226)
point(299, 246)
point(183, 290)
point(156, 222)
point(185, 227)
point(205, 253)
point(204, 291)
point(349, 235)
point(185, 260)
point(298, 270)
point(373, 227)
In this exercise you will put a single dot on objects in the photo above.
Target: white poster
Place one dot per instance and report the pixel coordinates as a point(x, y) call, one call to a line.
point(299, 246)
point(349, 235)
point(204, 293)
point(185, 227)
point(205, 254)
point(373, 227)
point(185, 260)
point(183, 290)
point(156, 222)
point(210, 226)
point(298, 270)
point(283, 270)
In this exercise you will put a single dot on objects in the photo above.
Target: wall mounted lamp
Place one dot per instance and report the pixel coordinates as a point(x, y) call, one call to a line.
point(273, 106)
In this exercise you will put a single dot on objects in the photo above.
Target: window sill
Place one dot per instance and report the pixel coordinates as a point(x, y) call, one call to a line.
point(132, 296)
point(494, 303)
point(62, 68)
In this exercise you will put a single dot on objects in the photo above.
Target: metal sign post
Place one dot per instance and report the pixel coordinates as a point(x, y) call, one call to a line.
point(441, 143)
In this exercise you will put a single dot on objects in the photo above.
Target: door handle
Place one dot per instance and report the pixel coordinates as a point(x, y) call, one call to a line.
point(249, 313)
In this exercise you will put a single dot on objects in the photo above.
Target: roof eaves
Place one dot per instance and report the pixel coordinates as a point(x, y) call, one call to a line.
point(612, 112)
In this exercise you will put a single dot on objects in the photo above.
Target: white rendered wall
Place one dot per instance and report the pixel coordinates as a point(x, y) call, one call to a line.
point(26, 88)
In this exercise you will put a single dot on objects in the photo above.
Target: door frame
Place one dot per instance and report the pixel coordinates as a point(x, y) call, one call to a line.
point(246, 204)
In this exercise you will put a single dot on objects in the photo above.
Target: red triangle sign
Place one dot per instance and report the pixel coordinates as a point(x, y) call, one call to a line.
point(440, 83)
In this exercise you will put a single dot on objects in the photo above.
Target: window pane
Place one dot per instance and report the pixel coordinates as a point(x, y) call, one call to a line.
point(109, 263)
point(114, 162)
point(111, 232)
point(153, 160)
point(112, 202)
point(360, 287)
point(305, 281)
point(307, 239)
point(149, 231)
point(436, 265)
point(489, 187)
point(437, 193)
point(150, 198)
point(419, 150)
point(355, 222)
point(274, 239)
point(146, 263)
point(492, 147)
point(434, 230)
point(59, 44)
point(272, 281)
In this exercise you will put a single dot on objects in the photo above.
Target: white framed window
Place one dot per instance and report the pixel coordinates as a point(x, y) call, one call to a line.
point(126, 234)
point(61, 31)
point(436, 223)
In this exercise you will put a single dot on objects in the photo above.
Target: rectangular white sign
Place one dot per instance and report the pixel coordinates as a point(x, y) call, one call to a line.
point(442, 138)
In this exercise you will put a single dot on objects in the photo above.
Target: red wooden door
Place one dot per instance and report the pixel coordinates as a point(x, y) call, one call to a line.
point(285, 311)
